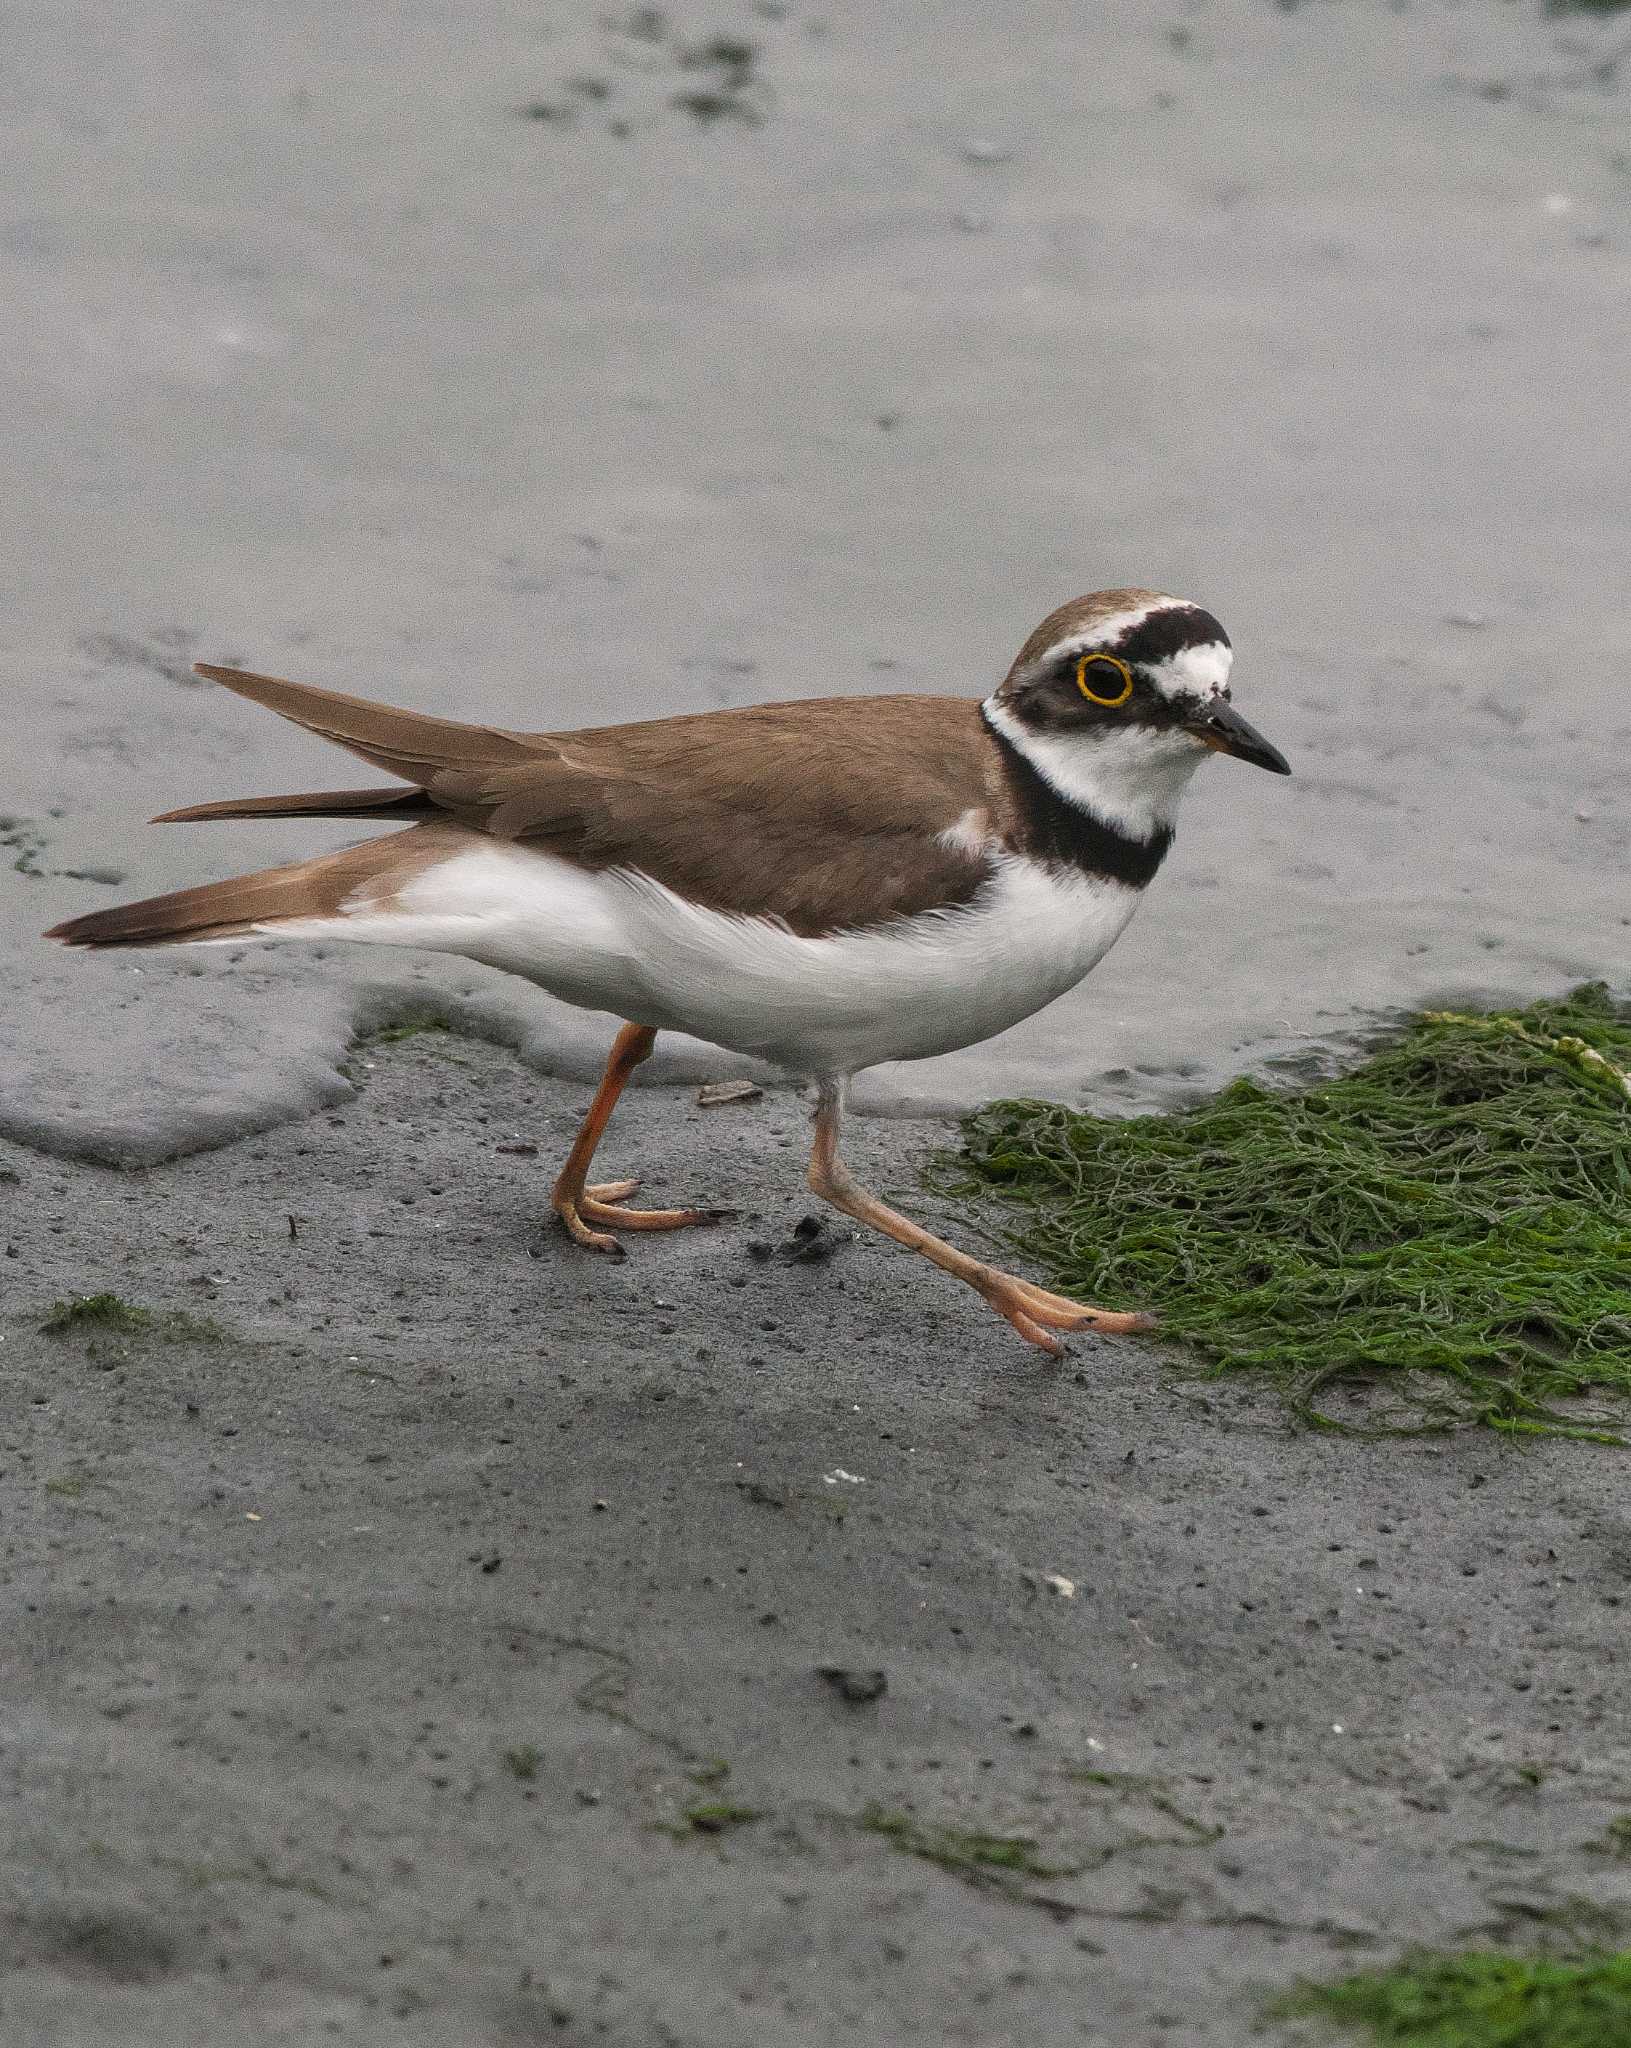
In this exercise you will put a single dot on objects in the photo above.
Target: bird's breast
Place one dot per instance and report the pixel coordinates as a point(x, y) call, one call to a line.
point(904, 988)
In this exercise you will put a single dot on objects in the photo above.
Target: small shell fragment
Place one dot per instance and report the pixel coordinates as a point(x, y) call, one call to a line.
point(1065, 1588)
point(714, 1093)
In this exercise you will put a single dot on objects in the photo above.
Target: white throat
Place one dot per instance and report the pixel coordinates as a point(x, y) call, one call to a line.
point(1131, 779)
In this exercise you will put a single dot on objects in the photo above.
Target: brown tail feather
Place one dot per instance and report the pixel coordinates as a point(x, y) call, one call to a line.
point(407, 743)
point(385, 804)
point(233, 909)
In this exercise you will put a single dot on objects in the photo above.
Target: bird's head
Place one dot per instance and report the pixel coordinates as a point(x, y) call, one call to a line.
point(1118, 697)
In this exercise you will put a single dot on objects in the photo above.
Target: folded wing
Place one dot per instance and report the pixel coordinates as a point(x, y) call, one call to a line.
point(820, 813)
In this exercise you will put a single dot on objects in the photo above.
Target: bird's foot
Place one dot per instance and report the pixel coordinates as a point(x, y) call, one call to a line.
point(603, 1203)
point(1036, 1314)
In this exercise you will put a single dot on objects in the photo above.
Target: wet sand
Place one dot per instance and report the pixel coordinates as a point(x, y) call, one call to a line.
point(389, 351)
point(366, 1660)
point(321, 355)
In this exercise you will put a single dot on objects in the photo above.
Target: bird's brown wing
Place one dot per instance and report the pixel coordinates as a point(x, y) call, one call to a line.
point(824, 813)
point(411, 744)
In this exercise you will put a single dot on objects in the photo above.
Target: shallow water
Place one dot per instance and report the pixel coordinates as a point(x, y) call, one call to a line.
point(317, 354)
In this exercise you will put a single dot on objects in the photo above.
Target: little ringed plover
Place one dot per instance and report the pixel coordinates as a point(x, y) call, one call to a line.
point(823, 884)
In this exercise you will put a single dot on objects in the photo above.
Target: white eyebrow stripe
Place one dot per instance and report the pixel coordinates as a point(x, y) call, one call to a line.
point(1091, 639)
point(1104, 633)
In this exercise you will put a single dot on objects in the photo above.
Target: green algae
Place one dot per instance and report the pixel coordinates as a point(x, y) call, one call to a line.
point(414, 1026)
point(1451, 1221)
point(1614, 1841)
point(966, 1852)
point(110, 1315)
point(1478, 2001)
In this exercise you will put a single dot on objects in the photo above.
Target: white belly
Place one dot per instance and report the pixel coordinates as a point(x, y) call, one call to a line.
point(622, 943)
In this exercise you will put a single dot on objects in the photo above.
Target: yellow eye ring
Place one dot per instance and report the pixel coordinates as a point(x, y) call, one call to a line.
point(1119, 668)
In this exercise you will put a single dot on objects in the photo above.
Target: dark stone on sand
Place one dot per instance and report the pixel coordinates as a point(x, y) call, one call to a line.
point(858, 1687)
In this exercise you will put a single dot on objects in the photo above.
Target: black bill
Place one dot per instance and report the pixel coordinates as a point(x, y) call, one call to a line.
point(1222, 728)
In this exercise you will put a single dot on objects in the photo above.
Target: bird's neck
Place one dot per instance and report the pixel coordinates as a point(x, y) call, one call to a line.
point(1105, 805)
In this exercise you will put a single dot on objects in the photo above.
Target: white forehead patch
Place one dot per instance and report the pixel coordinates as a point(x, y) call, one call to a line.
point(1200, 671)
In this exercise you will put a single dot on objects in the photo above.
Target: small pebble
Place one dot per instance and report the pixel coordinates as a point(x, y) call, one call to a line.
point(858, 1687)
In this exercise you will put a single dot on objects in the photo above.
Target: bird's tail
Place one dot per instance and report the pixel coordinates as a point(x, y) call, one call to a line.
point(257, 906)
point(410, 744)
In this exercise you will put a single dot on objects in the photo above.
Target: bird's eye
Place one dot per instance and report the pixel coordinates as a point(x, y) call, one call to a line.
point(1102, 679)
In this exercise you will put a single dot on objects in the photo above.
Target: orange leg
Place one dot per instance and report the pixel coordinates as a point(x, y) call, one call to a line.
point(579, 1205)
point(1033, 1311)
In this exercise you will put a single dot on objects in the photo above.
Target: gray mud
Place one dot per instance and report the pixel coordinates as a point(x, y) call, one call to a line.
point(504, 363)
point(498, 362)
point(366, 1658)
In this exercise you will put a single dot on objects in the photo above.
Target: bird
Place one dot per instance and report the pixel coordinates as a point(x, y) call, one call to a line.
point(823, 883)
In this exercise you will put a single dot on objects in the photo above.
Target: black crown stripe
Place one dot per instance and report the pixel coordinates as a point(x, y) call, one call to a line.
point(1167, 632)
